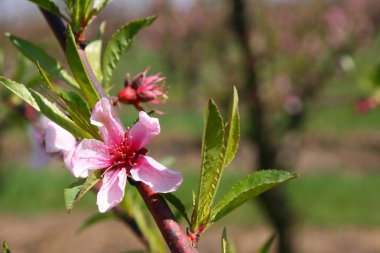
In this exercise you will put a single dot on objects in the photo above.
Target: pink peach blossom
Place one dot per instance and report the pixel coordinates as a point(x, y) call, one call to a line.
point(48, 138)
point(121, 154)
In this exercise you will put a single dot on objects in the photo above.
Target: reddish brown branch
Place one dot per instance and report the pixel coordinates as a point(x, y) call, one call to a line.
point(174, 235)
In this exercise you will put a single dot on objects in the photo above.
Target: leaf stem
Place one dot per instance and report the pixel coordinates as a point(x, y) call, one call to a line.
point(176, 238)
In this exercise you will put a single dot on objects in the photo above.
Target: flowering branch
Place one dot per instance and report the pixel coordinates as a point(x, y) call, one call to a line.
point(174, 235)
point(59, 31)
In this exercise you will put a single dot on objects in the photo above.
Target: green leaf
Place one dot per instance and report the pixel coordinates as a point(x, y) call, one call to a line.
point(75, 102)
point(177, 203)
point(96, 218)
point(250, 187)
point(266, 247)
point(50, 6)
point(77, 190)
point(211, 164)
point(6, 248)
point(100, 4)
point(48, 63)
point(119, 43)
point(79, 70)
point(47, 108)
point(232, 130)
point(227, 246)
point(93, 52)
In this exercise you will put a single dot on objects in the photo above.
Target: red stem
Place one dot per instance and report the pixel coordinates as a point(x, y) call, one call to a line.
point(175, 237)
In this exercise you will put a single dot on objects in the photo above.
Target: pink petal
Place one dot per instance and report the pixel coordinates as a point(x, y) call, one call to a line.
point(89, 155)
point(105, 117)
point(144, 130)
point(155, 175)
point(58, 139)
point(112, 190)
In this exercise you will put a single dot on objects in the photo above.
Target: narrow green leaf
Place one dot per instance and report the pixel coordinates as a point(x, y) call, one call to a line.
point(74, 105)
point(79, 70)
point(232, 130)
point(250, 187)
point(100, 4)
point(47, 108)
point(6, 248)
point(266, 247)
point(94, 219)
point(119, 43)
point(75, 102)
point(77, 190)
point(177, 203)
point(211, 164)
point(48, 63)
point(50, 6)
point(93, 52)
point(227, 246)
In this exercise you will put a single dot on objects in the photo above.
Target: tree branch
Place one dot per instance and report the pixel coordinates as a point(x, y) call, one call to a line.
point(175, 237)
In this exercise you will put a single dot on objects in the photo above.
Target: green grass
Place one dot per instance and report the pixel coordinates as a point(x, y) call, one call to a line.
point(326, 199)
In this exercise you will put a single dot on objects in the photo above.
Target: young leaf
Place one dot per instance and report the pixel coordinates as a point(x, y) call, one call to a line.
point(49, 6)
point(227, 246)
point(176, 202)
point(96, 218)
point(94, 53)
point(119, 43)
point(47, 108)
point(79, 70)
point(232, 130)
point(48, 63)
point(211, 165)
point(266, 247)
point(6, 248)
point(79, 189)
point(250, 187)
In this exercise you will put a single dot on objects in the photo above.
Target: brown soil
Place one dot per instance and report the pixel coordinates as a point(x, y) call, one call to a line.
point(58, 233)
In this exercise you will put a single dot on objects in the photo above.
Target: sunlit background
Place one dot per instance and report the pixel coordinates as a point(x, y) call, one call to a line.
point(316, 68)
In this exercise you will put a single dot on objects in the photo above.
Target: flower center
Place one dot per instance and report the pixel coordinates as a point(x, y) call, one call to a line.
point(124, 155)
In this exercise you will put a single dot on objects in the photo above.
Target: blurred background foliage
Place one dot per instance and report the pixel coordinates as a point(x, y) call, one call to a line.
point(313, 63)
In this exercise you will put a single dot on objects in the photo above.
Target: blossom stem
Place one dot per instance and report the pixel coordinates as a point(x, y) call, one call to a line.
point(175, 237)
point(59, 29)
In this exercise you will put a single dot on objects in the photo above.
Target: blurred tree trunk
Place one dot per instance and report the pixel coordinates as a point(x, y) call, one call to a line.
point(273, 202)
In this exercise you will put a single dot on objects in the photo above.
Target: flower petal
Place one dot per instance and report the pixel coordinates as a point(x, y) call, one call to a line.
point(112, 190)
point(155, 175)
point(58, 139)
point(144, 130)
point(105, 117)
point(88, 155)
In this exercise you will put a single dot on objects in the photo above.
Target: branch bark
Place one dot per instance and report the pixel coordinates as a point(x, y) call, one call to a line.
point(176, 239)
